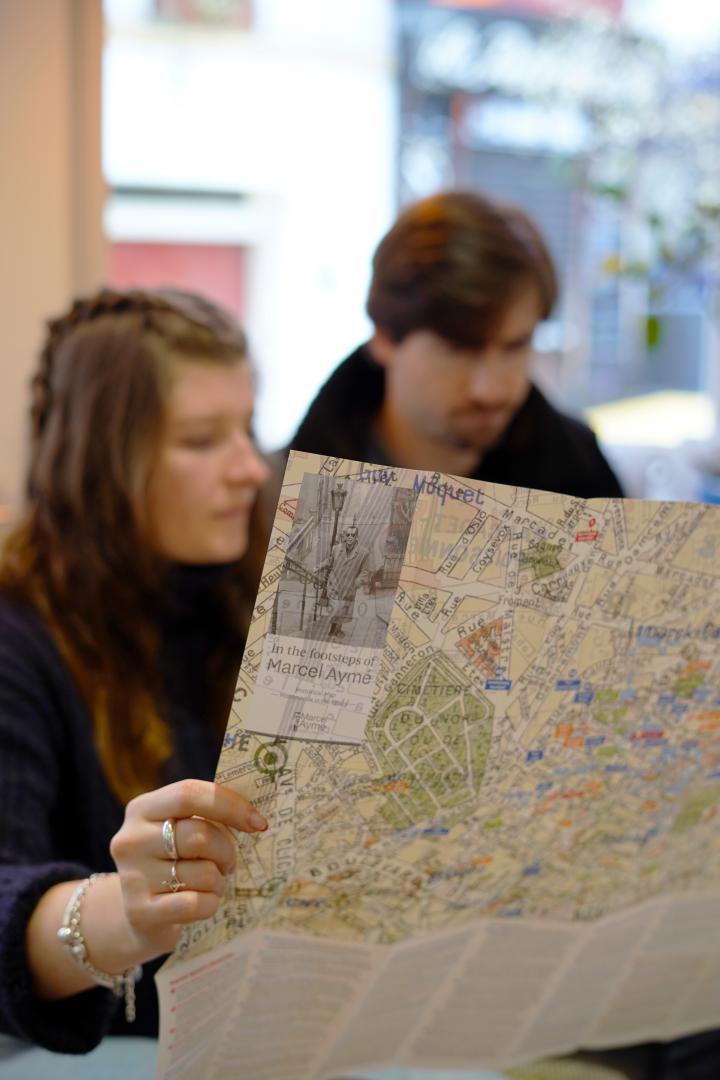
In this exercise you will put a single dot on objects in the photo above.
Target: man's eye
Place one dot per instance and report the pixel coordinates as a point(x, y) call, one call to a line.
point(458, 351)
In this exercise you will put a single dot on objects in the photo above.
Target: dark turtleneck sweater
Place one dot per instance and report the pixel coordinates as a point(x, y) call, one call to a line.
point(57, 813)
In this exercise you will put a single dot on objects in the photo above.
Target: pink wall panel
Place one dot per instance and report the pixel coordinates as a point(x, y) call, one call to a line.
point(219, 271)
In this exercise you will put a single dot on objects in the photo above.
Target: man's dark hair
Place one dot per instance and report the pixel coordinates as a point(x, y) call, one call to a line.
point(452, 263)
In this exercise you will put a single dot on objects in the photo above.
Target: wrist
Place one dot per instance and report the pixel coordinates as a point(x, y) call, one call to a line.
point(111, 941)
point(71, 936)
point(108, 942)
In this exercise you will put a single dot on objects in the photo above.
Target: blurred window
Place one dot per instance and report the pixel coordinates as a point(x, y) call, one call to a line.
point(258, 149)
point(603, 120)
point(249, 152)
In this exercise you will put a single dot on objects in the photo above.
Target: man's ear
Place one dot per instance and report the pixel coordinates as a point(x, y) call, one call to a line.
point(382, 347)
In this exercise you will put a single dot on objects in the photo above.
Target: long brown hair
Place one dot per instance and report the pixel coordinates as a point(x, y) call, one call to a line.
point(77, 553)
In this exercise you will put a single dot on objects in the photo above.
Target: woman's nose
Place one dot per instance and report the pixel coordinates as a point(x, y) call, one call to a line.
point(246, 465)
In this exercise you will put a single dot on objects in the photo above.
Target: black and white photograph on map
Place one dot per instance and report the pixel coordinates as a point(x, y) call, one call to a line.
point(342, 561)
point(340, 573)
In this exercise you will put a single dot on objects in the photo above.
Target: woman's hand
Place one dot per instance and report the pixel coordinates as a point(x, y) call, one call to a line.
point(160, 894)
point(137, 914)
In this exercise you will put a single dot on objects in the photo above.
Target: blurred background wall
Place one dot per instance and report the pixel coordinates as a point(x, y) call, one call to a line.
point(51, 189)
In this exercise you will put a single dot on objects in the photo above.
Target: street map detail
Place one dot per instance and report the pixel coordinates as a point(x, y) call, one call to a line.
point(500, 731)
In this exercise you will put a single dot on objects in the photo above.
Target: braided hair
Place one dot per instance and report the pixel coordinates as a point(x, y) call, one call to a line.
point(153, 311)
point(79, 554)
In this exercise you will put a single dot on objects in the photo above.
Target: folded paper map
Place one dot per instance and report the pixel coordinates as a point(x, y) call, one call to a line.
point(484, 724)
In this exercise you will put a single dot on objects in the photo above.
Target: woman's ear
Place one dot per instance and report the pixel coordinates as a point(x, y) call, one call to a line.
point(382, 348)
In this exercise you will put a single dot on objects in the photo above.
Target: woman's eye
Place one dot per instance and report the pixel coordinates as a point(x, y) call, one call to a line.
point(518, 346)
point(198, 442)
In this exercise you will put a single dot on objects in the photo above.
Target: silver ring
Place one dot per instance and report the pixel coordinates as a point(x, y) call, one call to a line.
point(174, 884)
point(168, 839)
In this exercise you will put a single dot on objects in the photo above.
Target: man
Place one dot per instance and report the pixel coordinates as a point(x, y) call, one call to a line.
point(459, 284)
point(347, 568)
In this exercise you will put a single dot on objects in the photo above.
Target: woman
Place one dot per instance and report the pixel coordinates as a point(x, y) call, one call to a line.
point(122, 611)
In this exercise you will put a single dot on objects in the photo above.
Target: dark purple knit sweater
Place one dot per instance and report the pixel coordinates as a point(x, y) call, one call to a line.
point(57, 813)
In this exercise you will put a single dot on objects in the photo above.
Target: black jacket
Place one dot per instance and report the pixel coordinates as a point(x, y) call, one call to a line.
point(541, 448)
point(57, 812)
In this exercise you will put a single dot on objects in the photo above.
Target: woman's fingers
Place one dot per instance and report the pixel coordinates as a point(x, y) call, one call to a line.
point(188, 798)
point(160, 892)
point(196, 875)
point(197, 838)
point(172, 893)
point(165, 909)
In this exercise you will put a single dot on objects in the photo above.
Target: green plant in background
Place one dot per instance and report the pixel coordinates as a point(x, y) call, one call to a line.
point(645, 121)
point(653, 143)
point(653, 153)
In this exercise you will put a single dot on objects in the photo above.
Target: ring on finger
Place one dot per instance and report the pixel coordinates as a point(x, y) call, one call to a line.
point(168, 839)
point(173, 883)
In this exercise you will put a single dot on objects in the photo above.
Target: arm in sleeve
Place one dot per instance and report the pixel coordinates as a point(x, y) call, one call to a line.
point(31, 735)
